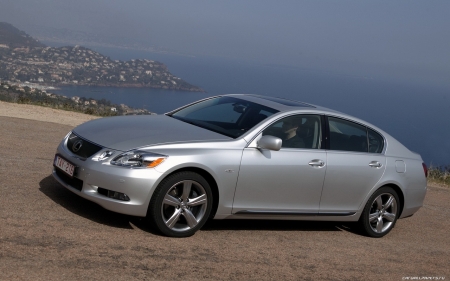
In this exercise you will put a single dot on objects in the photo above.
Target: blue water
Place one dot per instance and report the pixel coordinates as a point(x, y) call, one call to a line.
point(416, 115)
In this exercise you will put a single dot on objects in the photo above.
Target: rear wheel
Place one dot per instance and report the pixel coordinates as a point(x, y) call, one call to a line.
point(181, 204)
point(380, 213)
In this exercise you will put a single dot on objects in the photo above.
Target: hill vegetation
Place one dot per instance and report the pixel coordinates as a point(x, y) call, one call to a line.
point(14, 38)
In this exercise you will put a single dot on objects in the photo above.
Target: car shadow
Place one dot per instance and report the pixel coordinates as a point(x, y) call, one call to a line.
point(85, 208)
point(94, 212)
point(278, 225)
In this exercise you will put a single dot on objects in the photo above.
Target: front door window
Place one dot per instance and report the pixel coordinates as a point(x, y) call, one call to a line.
point(298, 131)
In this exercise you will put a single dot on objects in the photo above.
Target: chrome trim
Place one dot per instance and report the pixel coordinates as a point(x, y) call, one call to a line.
point(336, 214)
point(77, 145)
point(317, 163)
point(282, 213)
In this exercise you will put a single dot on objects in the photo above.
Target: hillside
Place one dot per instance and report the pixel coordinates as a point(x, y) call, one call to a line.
point(23, 58)
point(14, 38)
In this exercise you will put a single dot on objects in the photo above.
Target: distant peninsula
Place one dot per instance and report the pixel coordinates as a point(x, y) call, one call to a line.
point(25, 59)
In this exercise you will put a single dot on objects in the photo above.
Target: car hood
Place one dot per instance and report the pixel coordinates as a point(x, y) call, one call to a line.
point(128, 132)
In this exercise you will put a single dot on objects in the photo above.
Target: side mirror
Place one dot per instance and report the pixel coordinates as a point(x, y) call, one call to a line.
point(269, 142)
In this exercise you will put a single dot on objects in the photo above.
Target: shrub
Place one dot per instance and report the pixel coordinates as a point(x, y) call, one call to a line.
point(439, 174)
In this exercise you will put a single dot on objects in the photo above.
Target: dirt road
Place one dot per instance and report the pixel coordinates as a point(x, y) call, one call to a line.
point(49, 233)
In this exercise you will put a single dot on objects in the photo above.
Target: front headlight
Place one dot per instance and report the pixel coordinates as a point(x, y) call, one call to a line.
point(138, 158)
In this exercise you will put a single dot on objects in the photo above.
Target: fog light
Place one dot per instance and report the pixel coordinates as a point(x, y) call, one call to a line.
point(113, 194)
point(118, 195)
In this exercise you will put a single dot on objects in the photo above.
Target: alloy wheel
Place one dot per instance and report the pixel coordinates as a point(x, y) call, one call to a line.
point(383, 213)
point(184, 205)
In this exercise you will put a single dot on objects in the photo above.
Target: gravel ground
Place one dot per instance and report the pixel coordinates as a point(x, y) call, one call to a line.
point(49, 233)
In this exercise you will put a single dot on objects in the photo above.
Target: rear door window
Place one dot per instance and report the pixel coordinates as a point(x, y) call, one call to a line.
point(376, 141)
point(346, 135)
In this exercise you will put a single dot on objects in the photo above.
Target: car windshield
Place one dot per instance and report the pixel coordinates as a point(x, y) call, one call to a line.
point(225, 115)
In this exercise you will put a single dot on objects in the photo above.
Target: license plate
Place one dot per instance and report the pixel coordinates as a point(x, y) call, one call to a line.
point(64, 166)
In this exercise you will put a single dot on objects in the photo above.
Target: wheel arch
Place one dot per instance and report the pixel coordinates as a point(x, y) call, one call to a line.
point(209, 178)
point(399, 192)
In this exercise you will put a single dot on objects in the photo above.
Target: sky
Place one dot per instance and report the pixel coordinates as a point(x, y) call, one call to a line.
point(403, 39)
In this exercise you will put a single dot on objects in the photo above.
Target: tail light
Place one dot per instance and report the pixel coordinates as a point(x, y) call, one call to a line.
point(425, 169)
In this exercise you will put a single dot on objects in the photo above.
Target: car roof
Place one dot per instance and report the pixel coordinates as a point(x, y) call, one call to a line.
point(285, 105)
point(281, 104)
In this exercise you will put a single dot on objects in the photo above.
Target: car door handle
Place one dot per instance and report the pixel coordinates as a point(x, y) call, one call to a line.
point(375, 164)
point(316, 163)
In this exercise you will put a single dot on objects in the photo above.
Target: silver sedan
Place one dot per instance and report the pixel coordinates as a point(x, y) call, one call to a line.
point(243, 157)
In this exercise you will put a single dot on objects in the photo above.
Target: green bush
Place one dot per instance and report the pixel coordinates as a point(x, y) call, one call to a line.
point(89, 111)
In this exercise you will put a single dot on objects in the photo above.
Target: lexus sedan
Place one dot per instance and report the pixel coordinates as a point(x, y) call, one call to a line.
point(243, 157)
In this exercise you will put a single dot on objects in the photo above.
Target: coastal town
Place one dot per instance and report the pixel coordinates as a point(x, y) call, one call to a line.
point(28, 94)
point(24, 59)
point(30, 71)
point(81, 66)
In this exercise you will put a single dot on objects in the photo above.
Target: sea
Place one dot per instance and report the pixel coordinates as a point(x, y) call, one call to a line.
point(415, 114)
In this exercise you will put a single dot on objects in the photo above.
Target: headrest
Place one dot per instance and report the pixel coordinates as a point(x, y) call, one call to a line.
point(306, 129)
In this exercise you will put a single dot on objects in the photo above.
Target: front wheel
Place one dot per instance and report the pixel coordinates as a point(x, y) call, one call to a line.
point(380, 213)
point(181, 204)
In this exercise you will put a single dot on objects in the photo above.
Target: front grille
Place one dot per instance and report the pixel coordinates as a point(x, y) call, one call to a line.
point(81, 147)
point(73, 182)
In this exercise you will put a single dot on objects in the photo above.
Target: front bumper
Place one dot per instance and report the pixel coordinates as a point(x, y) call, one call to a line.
point(137, 184)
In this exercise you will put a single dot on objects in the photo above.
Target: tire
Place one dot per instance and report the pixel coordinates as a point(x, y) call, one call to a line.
point(380, 213)
point(181, 204)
